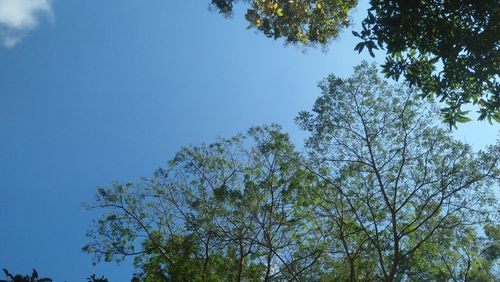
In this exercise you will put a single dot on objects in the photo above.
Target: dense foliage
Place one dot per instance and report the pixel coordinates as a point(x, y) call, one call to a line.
point(449, 49)
point(307, 22)
point(383, 195)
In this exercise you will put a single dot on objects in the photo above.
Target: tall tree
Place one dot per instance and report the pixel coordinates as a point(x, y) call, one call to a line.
point(392, 179)
point(219, 212)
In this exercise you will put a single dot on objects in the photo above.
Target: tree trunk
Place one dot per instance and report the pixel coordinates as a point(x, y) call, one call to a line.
point(240, 262)
point(204, 276)
point(352, 274)
point(268, 268)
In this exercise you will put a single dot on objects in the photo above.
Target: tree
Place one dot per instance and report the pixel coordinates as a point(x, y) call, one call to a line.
point(306, 22)
point(454, 255)
point(447, 48)
point(383, 192)
point(219, 212)
point(393, 182)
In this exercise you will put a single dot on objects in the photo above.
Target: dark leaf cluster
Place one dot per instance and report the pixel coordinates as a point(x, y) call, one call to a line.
point(24, 278)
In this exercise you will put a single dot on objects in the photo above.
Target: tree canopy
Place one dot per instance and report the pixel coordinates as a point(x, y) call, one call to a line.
point(382, 192)
point(306, 22)
point(394, 183)
point(220, 212)
point(449, 49)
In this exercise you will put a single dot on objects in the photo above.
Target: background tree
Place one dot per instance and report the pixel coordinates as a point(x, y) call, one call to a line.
point(24, 278)
point(34, 277)
point(449, 49)
point(219, 212)
point(454, 255)
point(392, 179)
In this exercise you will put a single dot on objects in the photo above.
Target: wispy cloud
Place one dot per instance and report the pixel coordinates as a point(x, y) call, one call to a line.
point(18, 17)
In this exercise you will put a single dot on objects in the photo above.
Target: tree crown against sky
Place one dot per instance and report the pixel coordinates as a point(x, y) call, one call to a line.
point(129, 101)
point(222, 211)
point(382, 191)
point(395, 183)
point(449, 49)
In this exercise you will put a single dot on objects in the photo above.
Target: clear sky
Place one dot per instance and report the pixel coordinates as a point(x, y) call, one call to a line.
point(94, 91)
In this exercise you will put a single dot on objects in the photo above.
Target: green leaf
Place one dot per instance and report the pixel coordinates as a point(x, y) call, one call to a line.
point(359, 47)
point(463, 119)
point(496, 117)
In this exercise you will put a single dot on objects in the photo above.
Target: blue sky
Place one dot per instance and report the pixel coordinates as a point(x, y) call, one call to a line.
point(94, 91)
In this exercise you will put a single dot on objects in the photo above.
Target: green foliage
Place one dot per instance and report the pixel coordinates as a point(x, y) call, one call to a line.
point(449, 49)
point(220, 212)
point(456, 255)
point(393, 182)
point(384, 194)
point(491, 250)
point(305, 22)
